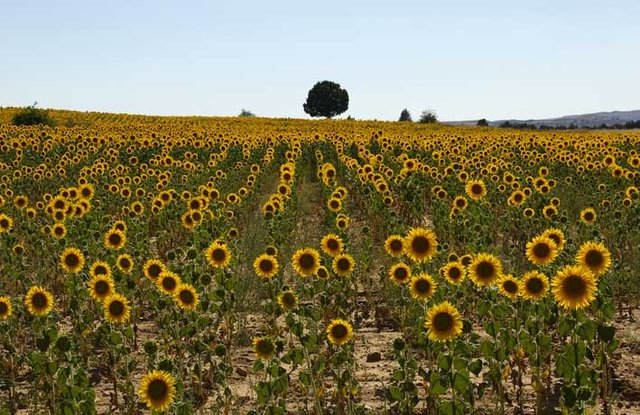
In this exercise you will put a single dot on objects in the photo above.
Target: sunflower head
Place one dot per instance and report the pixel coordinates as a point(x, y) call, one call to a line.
point(485, 269)
point(167, 282)
point(454, 272)
point(574, 287)
point(306, 262)
point(332, 244)
point(116, 308)
point(5, 308)
point(124, 262)
point(115, 239)
point(153, 268)
point(420, 244)
point(541, 250)
point(595, 257)
point(38, 301)
point(534, 285)
point(443, 322)
point(509, 286)
point(557, 236)
point(264, 347)
point(186, 296)
point(101, 286)
point(266, 266)
point(476, 189)
point(394, 245)
point(157, 390)
point(72, 260)
point(588, 216)
point(100, 268)
point(288, 300)
point(422, 286)
point(217, 254)
point(343, 264)
point(339, 332)
point(400, 273)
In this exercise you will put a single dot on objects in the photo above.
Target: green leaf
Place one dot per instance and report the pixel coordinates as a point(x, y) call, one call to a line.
point(606, 333)
point(461, 382)
point(475, 367)
point(396, 394)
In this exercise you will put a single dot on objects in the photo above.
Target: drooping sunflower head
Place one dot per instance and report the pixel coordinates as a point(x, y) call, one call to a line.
point(485, 269)
point(339, 332)
point(168, 281)
point(264, 347)
point(574, 287)
point(39, 301)
point(476, 189)
point(266, 266)
point(454, 272)
point(400, 273)
point(541, 250)
point(332, 244)
point(557, 236)
point(101, 286)
point(509, 286)
point(595, 257)
point(443, 322)
point(217, 254)
point(422, 286)
point(5, 308)
point(420, 244)
point(186, 297)
point(534, 285)
point(306, 262)
point(157, 390)
point(394, 245)
point(288, 300)
point(72, 260)
point(343, 264)
point(116, 308)
point(115, 239)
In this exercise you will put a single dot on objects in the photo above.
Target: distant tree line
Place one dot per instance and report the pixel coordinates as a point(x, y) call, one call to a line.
point(527, 126)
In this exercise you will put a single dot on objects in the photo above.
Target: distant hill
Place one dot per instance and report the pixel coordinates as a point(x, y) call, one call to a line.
point(593, 120)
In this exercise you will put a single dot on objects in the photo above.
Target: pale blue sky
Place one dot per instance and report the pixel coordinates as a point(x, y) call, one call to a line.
point(465, 59)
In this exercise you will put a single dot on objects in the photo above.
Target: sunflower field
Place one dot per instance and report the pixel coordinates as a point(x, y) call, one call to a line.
point(222, 265)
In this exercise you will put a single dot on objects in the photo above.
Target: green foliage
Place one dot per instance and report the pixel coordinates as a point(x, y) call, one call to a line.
point(326, 99)
point(428, 117)
point(483, 123)
point(405, 115)
point(33, 116)
point(246, 113)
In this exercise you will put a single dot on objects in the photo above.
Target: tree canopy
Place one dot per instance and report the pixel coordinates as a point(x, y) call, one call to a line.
point(326, 99)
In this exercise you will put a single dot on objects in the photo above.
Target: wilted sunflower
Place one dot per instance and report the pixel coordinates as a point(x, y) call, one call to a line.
point(306, 261)
point(420, 244)
point(574, 287)
point(400, 273)
point(100, 287)
point(266, 266)
point(485, 269)
point(116, 308)
point(264, 347)
point(343, 264)
point(115, 239)
point(454, 272)
point(422, 286)
point(38, 301)
point(339, 332)
point(394, 245)
point(5, 308)
point(509, 286)
point(443, 322)
point(186, 297)
point(72, 260)
point(595, 257)
point(541, 250)
point(588, 216)
point(153, 268)
point(157, 390)
point(476, 189)
point(287, 300)
point(557, 236)
point(124, 262)
point(534, 285)
point(168, 281)
point(217, 254)
point(332, 244)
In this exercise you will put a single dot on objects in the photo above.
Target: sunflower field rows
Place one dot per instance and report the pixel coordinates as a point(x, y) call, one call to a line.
point(218, 265)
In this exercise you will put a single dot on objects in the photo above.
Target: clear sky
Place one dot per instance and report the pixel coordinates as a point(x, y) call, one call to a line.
point(464, 59)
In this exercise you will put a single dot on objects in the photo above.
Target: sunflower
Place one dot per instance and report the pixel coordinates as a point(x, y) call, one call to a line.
point(460, 203)
point(115, 239)
point(306, 261)
point(485, 269)
point(5, 308)
point(420, 244)
point(157, 390)
point(588, 216)
point(541, 250)
point(557, 236)
point(529, 213)
point(124, 262)
point(116, 308)
point(287, 300)
point(168, 281)
point(322, 273)
point(339, 332)
point(394, 245)
point(509, 286)
point(574, 287)
point(332, 244)
point(153, 268)
point(100, 268)
point(266, 266)
point(334, 204)
point(595, 257)
point(217, 254)
point(534, 285)
point(72, 260)
point(264, 347)
point(58, 230)
point(101, 286)
point(186, 296)
point(343, 264)
point(271, 250)
point(476, 189)
point(400, 273)
point(454, 272)
point(443, 322)
point(422, 286)
point(38, 301)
